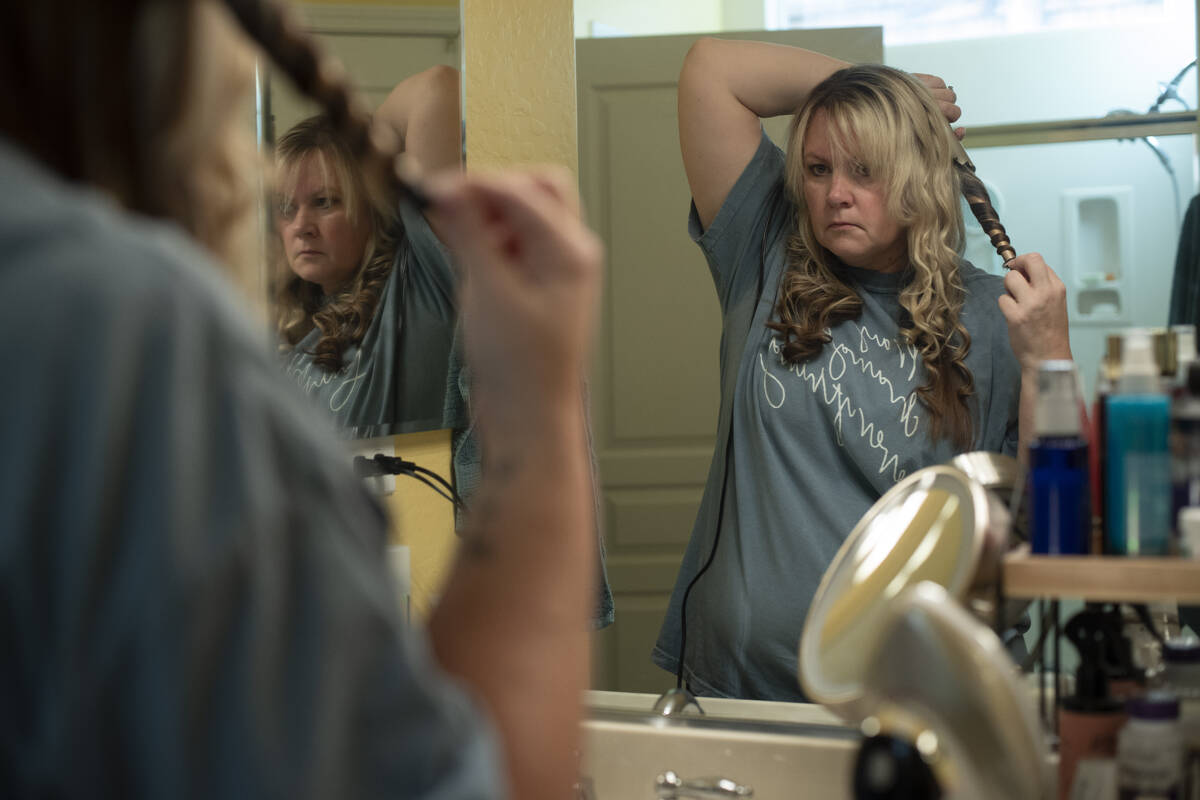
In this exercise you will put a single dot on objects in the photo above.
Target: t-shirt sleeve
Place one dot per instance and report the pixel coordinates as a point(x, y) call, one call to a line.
point(755, 213)
point(431, 272)
point(198, 599)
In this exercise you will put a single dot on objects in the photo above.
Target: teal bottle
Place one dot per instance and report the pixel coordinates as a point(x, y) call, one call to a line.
point(1138, 476)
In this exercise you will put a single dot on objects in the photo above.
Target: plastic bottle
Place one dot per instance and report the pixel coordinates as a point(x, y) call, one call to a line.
point(1137, 491)
point(1106, 381)
point(1181, 675)
point(1185, 350)
point(1150, 749)
point(1185, 449)
point(1059, 514)
point(1188, 526)
point(1090, 719)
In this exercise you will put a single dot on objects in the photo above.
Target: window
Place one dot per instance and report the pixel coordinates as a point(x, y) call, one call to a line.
point(914, 21)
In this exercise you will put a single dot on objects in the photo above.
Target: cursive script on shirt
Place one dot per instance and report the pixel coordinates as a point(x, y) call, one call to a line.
point(824, 377)
point(312, 378)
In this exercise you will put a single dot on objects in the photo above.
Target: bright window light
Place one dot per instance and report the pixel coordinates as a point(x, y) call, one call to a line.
point(916, 21)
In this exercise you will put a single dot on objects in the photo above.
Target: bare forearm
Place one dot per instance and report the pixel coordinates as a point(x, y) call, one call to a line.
point(724, 88)
point(769, 80)
point(424, 112)
point(512, 622)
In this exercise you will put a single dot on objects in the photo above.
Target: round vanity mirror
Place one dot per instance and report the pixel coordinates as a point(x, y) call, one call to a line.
point(943, 681)
point(935, 525)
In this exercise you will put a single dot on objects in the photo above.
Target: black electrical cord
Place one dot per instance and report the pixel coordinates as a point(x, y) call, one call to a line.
point(394, 465)
point(712, 554)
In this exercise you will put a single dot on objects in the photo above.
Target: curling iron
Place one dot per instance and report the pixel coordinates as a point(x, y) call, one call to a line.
point(981, 204)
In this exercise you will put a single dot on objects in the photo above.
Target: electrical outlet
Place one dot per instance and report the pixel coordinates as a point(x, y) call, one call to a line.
point(381, 485)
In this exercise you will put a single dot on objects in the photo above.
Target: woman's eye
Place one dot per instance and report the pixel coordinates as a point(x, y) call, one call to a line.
point(322, 201)
point(818, 170)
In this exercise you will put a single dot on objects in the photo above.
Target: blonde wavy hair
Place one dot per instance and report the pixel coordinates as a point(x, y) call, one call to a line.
point(888, 122)
point(300, 305)
point(140, 99)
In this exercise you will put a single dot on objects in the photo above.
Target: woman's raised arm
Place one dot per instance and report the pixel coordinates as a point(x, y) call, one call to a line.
point(424, 111)
point(725, 87)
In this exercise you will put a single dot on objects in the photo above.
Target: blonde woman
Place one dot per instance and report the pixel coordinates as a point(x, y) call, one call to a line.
point(194, 598)
point(364, 292)
point(858, 346)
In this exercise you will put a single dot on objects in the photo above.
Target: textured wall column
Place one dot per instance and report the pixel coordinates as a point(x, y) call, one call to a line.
point(519, 83)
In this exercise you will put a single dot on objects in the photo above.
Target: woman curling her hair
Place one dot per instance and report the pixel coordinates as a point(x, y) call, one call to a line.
point(363, 289)
point(194, 589)
point(882, 127)
point(858, 346)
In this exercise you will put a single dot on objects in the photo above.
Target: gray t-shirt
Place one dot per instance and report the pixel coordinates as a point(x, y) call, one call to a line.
point(394, 380)
point(813, 445)
point(193, 597)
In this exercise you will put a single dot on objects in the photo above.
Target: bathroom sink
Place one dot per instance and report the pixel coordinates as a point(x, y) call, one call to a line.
point(781, 750)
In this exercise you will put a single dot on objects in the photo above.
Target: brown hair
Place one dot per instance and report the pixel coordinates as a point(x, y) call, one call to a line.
point(110, 94)
point(890, 123)
point(342, 318)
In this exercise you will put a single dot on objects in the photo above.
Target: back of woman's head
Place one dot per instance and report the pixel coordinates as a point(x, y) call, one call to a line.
point(138, 98)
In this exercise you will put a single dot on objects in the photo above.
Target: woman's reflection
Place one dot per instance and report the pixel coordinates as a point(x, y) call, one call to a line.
point(858, 346)
point(364, 292)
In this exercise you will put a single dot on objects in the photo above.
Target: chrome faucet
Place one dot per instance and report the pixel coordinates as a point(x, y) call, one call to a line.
point(671, 787)
point(675, 700)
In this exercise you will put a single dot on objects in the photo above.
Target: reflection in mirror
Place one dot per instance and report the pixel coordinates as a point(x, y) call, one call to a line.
point(1104, 212)
point(360, 287)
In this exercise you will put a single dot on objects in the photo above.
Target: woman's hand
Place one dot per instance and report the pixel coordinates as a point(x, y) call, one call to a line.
point(531, 285)
point(945, 96)
point(1036, 310)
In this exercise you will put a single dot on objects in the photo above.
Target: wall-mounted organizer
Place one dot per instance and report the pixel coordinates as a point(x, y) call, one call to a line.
point(1098, 253)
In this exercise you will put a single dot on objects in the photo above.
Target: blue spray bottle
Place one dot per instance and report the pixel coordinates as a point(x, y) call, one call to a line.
point(1060, 518)
point(1138, 487)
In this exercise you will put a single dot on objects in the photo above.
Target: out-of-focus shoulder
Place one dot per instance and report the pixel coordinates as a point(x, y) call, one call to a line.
point(67, 248)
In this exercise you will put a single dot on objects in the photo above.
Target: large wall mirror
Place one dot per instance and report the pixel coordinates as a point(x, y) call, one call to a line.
point(367, 297)
point(1072, 121)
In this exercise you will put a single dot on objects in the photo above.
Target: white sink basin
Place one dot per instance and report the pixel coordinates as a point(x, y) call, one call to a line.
point(786, 751)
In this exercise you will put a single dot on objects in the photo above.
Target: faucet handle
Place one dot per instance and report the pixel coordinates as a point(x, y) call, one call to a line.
point(671, 787)
point(673, 701)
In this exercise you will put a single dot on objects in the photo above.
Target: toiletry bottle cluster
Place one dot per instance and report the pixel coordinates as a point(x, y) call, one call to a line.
point(1128, 482)
point(1129, 731)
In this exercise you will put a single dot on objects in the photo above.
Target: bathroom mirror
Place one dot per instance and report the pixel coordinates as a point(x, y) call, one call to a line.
point(389, 376)
point(1104, 212)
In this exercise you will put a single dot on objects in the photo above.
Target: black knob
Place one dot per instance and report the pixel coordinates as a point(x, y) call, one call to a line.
point(888, 768)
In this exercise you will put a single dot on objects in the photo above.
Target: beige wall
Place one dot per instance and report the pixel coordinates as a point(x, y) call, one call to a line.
point(417, 3)
point(422, 519)
point(519, 82)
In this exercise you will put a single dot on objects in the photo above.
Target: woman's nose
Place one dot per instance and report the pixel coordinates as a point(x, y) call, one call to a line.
point(839, 190)
point(302, 224)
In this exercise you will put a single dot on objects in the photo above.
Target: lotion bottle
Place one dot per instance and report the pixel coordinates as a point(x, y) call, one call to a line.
point(1138, 487)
